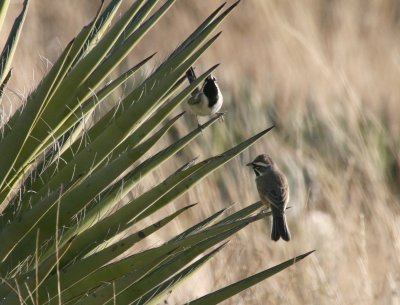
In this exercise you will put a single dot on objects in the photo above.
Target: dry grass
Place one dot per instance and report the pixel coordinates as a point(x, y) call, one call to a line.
point(327, 73)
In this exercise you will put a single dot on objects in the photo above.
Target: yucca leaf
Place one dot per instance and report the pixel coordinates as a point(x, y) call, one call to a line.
point(101, 178)
point(101, 25)
point(4, 84)
point(165, 69)
point(93, 262)
point(76, 48)
point(150, 124)
point(42, 96)
point(4, 4)
point(119, 245)
point(87, 107)
point(65, 251)
point(16, 231)
point(145, 205)
point(198, 227)
point(205, 29)
point(147, 101)
point(199, 237)
point(112, 224)
point(97, 151)
point(136, 275)
point(53, 79)
point(50, 117)
point(88, 64)
point(80, 44)
point(190, 240)
point(127, 291)
point(48, 86)
point(229, 291)
point(199, 29)
point(212, 164)
point(207, 233)
point(136, 266)
point(81, 88)
point(88, 238)
point(191, 47)
point(138, 21)
point(109, 272)
point(243, 213)
point(186, 48)
point(8, 289)
point(73, 201)
point(137, 270)
point(9, 49)
point(116, 57)
point(154, 295)
point(20, 125)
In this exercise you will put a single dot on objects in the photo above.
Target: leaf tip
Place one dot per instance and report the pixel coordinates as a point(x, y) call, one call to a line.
point(214, 67)
point(265, 131)
point(191, 205)
point(181, 114)
point(149, 57)
point(300, 257)
point(229, 9)
point(219, 248)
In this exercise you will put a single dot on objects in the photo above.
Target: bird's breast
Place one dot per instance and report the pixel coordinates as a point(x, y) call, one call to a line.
point(199, 106)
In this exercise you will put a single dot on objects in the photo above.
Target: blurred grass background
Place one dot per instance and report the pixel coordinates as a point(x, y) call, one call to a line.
point(327, 73)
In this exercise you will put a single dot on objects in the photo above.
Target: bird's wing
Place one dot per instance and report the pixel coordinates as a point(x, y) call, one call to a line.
point(274, 190)
point(196, 98)
point(278, 196)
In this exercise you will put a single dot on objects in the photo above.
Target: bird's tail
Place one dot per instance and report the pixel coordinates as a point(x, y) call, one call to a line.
point(191, 75)
point(280, 228)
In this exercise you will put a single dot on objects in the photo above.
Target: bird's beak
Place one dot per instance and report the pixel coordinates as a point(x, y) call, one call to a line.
point(249, 164)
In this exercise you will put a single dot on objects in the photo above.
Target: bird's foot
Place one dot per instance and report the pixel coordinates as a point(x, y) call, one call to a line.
point(221, 115)
point(266, 211)
point(199, 126)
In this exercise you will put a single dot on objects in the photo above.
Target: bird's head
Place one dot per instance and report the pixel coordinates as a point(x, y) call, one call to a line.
point(261, 164)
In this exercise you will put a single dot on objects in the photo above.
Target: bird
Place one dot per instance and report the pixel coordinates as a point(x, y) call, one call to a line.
point(273, 189)
point(208, 99)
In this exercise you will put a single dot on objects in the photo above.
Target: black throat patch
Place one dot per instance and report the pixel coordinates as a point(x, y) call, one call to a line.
point(211, 91)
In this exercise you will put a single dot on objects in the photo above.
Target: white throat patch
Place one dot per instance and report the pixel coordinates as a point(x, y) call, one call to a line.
point(261, 164)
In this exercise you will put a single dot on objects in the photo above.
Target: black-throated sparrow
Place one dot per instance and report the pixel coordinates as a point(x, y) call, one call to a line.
point(206, 100)
point(273, 189)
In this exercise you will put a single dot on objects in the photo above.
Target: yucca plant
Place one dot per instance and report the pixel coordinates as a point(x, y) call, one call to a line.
point(62, 176)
